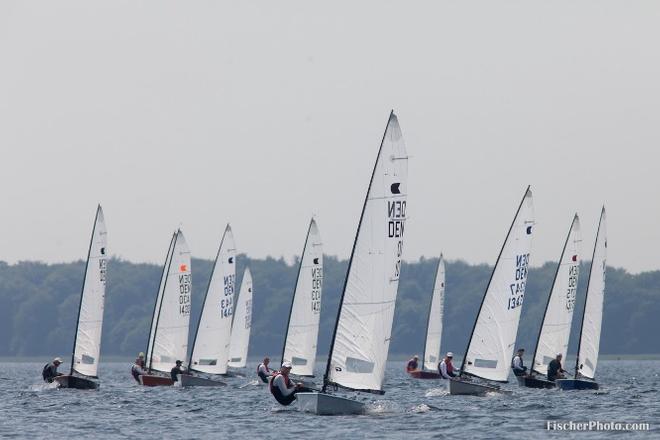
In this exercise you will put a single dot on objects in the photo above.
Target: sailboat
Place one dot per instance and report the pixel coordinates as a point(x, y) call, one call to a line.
point(592, 318)
point(556, 325)
point(168, 338)
point(87, 340)
point(431, 356)
point(240, 329)
point(361, 338)
point(488, 354)
point(210, 349)
point(304, 316)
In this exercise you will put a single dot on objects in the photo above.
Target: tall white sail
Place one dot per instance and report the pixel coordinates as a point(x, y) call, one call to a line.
point(168, 341)
point(434, 326)
point(362, 334)
point(556, 326)
point(491, 345)
point(303, 329)
point(593, 308)
point(210, 351)
point(240, 330)
point(87, 345)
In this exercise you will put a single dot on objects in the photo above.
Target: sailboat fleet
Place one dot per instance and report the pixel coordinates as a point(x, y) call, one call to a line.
point(362, 329)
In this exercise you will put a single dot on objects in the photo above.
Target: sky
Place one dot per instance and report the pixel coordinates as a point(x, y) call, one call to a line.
point(262, 114)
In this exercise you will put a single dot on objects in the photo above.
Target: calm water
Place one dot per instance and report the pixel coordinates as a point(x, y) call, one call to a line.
point(409, 408)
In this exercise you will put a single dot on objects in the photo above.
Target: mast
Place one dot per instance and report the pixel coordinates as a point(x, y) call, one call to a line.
point(350, 262)
point(428, 319)
point(515, 217)
point(82, 292)
point(586, 296)
point(547, 304)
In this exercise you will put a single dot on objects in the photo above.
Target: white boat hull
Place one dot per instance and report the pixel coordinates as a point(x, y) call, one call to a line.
point(328, 405)
point(458, 387)
point(195, 381)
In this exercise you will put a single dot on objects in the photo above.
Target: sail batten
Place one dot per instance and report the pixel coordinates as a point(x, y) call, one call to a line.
point(431, 355)
point(240, 330)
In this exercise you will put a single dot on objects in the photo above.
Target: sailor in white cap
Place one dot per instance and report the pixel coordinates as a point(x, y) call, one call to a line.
point(49, 373)
point(446, 368)
point(281, 387)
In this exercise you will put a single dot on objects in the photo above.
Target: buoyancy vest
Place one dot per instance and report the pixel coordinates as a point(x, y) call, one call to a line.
point(263, 376)
point(275, 391)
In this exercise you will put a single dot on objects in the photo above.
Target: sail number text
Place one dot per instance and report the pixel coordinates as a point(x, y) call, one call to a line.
point(317, 281)
point(227, 299)
point(518, 288)
point(572, 286)
point(396, 212)
point(185, 286)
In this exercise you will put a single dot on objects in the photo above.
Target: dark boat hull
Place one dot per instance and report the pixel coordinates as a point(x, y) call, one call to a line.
point(420, 374)
point(576, 384)
point(155, 381)
point(535, 382)
point(80, 383)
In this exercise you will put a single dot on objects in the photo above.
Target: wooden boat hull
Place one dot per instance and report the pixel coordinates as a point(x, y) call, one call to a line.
point(420, 374)
point(80, 383)
point(535, 382)
point(328, 405)
point(195, 381)
point(576, 384)
point(155, 381)
point(458, 387)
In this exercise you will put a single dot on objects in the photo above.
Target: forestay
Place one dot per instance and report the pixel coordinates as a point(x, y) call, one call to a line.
point(168, 341)
point(556, 327)
point(434, 326)
point(240, 330)
point(87, 344)
point(593, 309)
point(491, 345)
point(210, 351)
point(364, 325)
point(303, 329)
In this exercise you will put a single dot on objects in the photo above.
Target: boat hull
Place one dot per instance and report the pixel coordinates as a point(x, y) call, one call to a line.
point(328, 405)
point(458, 387)
point(195, 381)
point(419, 374)
point(155, 381)
point(576, 384)
point(535, 382)
point(80, 383)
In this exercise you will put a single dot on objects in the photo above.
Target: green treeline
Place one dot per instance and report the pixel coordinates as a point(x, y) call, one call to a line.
point(40, 303)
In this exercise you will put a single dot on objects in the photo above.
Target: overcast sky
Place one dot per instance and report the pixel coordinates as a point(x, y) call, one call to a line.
point(198, 113)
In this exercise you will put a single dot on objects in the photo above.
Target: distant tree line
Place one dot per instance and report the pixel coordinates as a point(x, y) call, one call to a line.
point(40, 304)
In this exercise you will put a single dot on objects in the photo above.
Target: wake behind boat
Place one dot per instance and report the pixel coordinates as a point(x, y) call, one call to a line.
point(368, 298)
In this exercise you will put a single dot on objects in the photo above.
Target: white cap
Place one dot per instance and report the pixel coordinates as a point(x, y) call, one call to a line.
point(287, 364)
point(57, 359)
point(559, 354)
point(450, 354)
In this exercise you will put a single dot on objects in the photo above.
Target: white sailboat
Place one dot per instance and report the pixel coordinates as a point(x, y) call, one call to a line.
point(431, 356)
point(592, 318)
point(556, 325)
point(304, 317)
point(210, 349)
point(87, 340)
point(361, 338)
point(488, 354)
point(168, 339)
point(240, 330)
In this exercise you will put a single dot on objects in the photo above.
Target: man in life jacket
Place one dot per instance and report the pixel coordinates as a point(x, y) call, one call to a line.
point(281, 386)
point(49, 373)
point(412, 364)
point(519, 369)
point(446, 368)
point(263, 371)
point(176, 370)
point(138, 367)
point(555, 371)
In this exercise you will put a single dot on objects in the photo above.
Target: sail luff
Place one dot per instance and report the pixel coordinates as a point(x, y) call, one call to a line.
point(240, 330)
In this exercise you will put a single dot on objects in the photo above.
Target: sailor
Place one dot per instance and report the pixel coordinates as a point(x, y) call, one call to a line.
point(412, 364)
point(263, 371)
point(281, 386)
point(519, 369)
point(49, 373)
point(138, 367)
point(178, 369)
point(446, 368)
point(555, 371)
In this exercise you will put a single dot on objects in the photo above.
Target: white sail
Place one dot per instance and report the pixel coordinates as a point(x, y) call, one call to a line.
point(240, 330)
point(169, 338)
point(491, 345)
point(87, 347)
point(593, 309)
point(362, 333)
point(210, 351)
point(556, 326)
point(303, 329)
point(436, 312)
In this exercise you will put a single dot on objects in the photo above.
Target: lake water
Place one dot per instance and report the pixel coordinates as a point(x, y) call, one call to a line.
point(410, 408)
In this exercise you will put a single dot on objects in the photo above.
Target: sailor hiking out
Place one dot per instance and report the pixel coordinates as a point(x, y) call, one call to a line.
point(49, 373)
point(412, 364)
point(263, 371)
point(281, 386)
point(138, 367)
point(555, 370)
point(446, 368)
point(517, 365)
